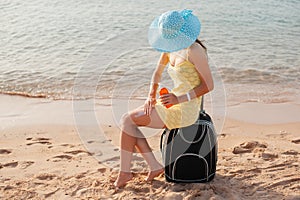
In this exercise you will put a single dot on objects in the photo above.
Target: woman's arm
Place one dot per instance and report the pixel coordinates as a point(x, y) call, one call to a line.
point(156, 77)
point(197, 56)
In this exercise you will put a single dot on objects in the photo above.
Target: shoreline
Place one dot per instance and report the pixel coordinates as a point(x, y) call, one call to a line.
point(42, 154)
point(19, 110)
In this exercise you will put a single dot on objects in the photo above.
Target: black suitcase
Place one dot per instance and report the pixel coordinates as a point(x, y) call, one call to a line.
point(190, 153)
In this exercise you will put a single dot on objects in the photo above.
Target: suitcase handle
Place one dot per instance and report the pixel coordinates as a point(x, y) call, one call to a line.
point(161, 139)
point(202, 104)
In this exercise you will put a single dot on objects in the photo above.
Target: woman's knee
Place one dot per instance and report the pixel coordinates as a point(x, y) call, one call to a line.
point(126, 121)
point(135, 118)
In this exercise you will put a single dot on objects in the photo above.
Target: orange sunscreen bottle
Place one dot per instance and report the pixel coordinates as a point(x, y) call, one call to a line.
point(165, 91)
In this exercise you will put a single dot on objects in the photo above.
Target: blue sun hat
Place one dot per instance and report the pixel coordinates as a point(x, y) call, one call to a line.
point(174, 30)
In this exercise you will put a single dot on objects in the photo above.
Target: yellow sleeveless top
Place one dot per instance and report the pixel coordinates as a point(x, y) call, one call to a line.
point(185, 78)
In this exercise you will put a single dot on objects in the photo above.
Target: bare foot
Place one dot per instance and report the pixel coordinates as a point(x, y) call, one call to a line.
point(155, 173)
point(122, 179)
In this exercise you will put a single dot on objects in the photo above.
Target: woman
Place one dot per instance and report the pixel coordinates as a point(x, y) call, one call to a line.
point(174, 33)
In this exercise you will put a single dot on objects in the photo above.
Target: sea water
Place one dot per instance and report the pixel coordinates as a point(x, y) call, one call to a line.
point(79, 49)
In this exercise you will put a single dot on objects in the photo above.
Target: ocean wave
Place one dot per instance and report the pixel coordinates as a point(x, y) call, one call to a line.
point(23, 94)
point(274, 75)
point(136, 84)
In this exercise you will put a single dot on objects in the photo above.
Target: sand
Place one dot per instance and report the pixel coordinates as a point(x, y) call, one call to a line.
point(50, 150)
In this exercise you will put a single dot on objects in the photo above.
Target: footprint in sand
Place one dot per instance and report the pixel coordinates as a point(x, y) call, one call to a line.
point(291, 152)
point(25, 164)
point(38, 141)
point(81, 175)
point(61, 158)
point(67, 156)
point(45, 177)
point(10, 164)
point(5, 151)
point(296, 141)
point(248, 147)
point(14, 164)
point(68, 145)
point(268, 155)
point(102, 170)
point(76, 152)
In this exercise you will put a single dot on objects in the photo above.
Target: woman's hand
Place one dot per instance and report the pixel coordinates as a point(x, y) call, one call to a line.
point(148, 106)
point(167, 99)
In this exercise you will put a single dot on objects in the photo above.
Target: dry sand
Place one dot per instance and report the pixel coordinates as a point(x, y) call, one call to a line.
point(44, 155)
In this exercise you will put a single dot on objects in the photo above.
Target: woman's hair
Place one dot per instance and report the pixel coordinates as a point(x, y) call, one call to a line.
point(199, 42)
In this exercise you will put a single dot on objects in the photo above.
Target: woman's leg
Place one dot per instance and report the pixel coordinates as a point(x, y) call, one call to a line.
point(132, 137)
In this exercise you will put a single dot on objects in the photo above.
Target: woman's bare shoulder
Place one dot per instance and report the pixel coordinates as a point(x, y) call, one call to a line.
point(197, 48)
point(197, 51)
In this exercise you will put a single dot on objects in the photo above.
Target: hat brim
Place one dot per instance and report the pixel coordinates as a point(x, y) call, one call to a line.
point(181, 41)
